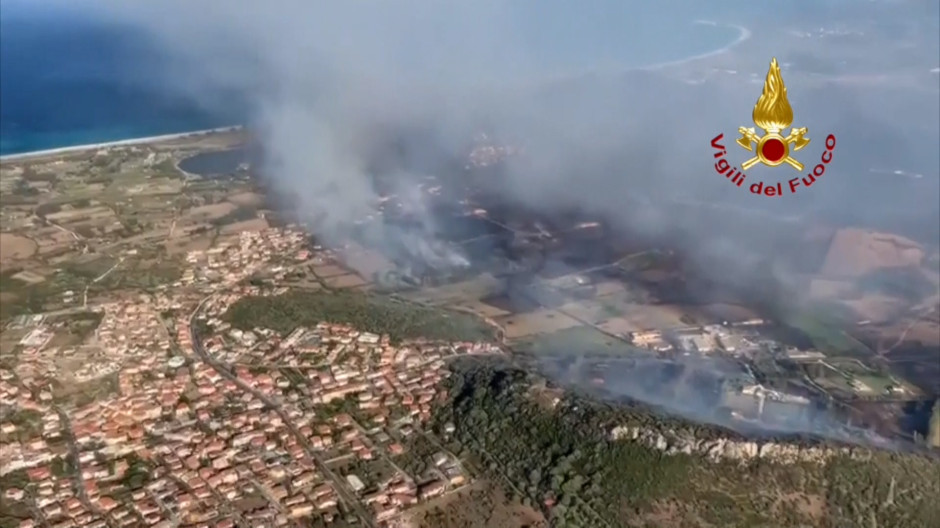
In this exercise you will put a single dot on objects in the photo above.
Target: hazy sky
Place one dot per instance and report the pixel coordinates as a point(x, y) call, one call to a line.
point(331, 80)
point(324, 75)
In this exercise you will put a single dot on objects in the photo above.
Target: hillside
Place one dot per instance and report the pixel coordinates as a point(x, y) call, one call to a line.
point(585, 463)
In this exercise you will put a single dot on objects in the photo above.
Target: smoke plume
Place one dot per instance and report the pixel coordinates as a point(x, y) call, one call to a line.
point(330, 82)
point(346, 94)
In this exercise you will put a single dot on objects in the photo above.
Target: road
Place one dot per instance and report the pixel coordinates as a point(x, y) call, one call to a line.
point(98, 279)
point(77, 479)
point(339, 484)
point(204, 503)
point(75, 235)
point(38, 514)
point(381, 452)
point(268, 495)
point(174, 518)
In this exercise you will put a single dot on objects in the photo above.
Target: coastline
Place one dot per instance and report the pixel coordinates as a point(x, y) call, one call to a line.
point(744, 34)
point(21, 156)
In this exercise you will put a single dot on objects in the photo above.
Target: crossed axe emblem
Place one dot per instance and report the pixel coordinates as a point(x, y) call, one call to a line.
point(775, 140)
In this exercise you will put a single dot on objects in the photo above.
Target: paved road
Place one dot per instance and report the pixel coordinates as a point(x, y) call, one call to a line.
point(339, 483)
point(38, 515)
point(77, 479)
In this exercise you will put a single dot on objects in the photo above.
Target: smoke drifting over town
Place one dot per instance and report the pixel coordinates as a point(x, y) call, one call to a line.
point(342, 90)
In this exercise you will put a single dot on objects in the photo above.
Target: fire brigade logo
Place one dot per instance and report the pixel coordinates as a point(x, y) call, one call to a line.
point(773, 114)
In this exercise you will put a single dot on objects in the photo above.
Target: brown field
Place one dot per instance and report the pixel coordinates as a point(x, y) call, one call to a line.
point(29, 277)
point(592, 311)
point(925, 329)
point(656, 275)
point(329, 270)
point(733, 313)
point(644, 317)
point(200, 243)
point(94, 187)
point(854, 252)
point(459, 292)
point(309, 285)
point(88, 213)
point(365, 262)
point(483, 309)
point(830, 289)
point(184, 245)
point(541, 321)
point(247, 198)
point(182, 231)
point(350, 280)
point(927, 332)
point(478, 505)
point(610, 288)
point(152, 188)
point(619, 326)
point(876, 308)
point(7, 297)
point(16, 247)
point(256, 224)
point(209, 212)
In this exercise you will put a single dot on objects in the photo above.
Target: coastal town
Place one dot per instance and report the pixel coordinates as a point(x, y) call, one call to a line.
point(246, 428)
point(206, 424)
point(357, 281)
point(175, 352)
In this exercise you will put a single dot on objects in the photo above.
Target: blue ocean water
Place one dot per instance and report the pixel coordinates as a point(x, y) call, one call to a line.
point(67, 80)
point(65, 83)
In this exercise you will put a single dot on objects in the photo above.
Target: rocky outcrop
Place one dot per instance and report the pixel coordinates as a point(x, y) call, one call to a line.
point(672, 442)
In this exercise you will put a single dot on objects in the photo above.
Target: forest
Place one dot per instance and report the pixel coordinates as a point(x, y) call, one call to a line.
point(560, 458)
point(379, 315)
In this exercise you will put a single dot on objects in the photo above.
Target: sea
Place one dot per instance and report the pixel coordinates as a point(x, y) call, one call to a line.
point(67, 82)
point(67, 79)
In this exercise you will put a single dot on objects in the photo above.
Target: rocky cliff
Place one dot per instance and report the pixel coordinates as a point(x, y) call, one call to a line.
point(673, 442)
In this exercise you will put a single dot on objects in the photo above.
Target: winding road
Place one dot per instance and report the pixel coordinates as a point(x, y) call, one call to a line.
point(347, 497)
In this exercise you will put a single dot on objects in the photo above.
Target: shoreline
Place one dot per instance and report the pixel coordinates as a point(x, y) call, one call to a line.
point(20, 156)
point(744, 34)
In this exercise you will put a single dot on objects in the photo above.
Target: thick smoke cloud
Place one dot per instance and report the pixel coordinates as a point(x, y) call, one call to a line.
point(326, 77)
point(331, 83)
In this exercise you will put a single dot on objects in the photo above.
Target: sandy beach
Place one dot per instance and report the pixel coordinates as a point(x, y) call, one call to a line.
point(744, 34)
point(120, 143)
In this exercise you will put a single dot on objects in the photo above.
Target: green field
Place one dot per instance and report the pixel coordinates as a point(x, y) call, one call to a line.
point(368, 313)
point(877, 383)
point(567, 454)
point(825, 330)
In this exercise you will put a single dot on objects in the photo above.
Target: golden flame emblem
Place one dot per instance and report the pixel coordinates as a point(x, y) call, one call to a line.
point(773, 114)
point(772, 111)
